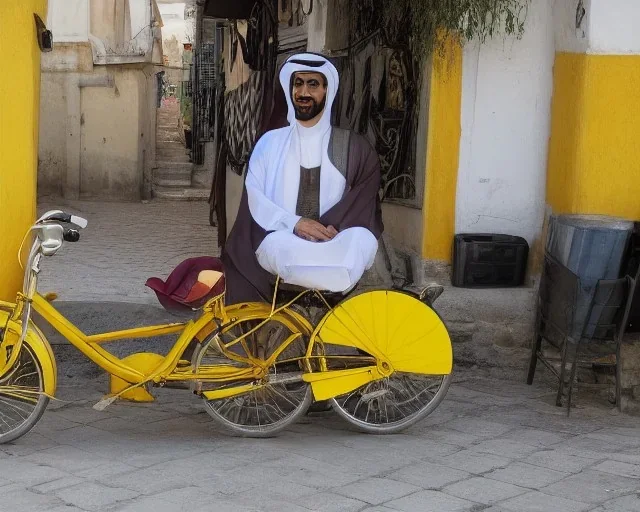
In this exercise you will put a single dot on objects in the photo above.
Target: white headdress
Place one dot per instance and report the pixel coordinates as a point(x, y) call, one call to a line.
point(309, 63)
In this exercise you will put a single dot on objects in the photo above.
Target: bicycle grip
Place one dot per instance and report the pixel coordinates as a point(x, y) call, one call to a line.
point(71, 235)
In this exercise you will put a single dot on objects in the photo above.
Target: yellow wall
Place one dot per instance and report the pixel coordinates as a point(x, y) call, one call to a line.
point(443, 150)
point(594, 163)
point(19, 107)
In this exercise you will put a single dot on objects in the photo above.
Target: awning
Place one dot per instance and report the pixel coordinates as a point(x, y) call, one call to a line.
point(230, 9)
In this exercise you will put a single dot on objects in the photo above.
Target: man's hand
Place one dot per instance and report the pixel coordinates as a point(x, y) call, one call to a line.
point(314, 231)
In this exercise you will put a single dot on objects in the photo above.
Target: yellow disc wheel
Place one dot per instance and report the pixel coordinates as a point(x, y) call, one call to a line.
point(401, 333)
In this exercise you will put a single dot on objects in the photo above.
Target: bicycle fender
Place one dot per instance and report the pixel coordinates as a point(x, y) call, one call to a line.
point(38, 343)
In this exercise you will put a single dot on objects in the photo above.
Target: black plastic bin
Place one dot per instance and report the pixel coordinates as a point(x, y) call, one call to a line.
point(482, 260)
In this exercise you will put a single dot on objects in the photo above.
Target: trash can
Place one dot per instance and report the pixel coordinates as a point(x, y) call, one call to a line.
point(592, 247)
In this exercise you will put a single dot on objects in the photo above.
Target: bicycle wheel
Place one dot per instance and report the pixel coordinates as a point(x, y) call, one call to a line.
point(283, 396)
point(397, 328)
point(22, 401)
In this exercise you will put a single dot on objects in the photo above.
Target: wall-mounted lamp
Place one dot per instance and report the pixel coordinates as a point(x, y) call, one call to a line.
point(45, 37)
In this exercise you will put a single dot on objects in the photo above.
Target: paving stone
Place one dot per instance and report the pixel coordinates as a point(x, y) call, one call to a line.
point(428, 475)
point(431, 501)
point(629, 503)
point(94, 497)
point(135, 250)
point(559, 461)
point(536, 501)
point(590, 448)
point(67, 458)
point(21, 500)
point(305, 472)
point(64, 508)
point(479, 428)
point(452, 437)
point(593, 486)
point(526, 475)
point(331, 502)
point(535, 437)
point(618, 468)
point(54, 485)
point(407, 446)
point(504, 448)
point(484, 490)
point(152, 504)
point(30, 443)
point(472, 461)
point(613, 438)
point(106, 470)
point(28, 473)
point(376, 491)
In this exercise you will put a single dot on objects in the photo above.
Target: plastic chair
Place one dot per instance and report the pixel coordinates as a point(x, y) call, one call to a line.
point(605, 321)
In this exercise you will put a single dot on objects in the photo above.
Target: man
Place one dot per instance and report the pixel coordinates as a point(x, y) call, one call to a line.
point(310, 211)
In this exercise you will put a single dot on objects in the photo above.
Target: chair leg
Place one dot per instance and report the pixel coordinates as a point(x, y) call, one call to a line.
point(563, 365)
point(537, 343)
point(572, 378)
point(618, 376)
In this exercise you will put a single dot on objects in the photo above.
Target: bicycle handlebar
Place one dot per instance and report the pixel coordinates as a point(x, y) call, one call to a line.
point(71, 235)
point(60, 216)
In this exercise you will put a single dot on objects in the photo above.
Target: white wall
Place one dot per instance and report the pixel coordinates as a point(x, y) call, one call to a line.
point(68, 20)
point(568, 37)
point(173, 22)
point(506, 102)
point(140, 12)
point(613, 26)
point(317, 23)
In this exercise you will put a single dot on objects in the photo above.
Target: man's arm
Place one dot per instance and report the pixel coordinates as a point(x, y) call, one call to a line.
point(265, 212)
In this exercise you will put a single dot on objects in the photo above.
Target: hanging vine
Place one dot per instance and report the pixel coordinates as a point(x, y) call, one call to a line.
point(469, 19)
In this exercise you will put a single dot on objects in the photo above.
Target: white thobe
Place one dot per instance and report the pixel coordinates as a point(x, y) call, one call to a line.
point(336, 265)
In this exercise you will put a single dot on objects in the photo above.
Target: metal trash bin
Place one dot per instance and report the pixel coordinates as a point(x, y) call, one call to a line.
point(592, 247)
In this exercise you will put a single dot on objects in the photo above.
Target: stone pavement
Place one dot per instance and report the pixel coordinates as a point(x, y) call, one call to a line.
point(491, 446)
point(123, 245)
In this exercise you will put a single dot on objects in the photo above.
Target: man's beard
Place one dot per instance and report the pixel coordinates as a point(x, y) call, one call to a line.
point(307, 115)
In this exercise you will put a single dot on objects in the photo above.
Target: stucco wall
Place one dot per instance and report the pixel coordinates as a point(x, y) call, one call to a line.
point(52, 159)
point(69, 20)
point(613, 26)
point(110, 138)
point(507, 86)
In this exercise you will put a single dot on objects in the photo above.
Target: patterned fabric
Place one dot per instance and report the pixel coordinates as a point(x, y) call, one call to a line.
point(308, 205)
point(243, 115)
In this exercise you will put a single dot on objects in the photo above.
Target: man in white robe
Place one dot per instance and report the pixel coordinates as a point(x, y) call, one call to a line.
point(310, 211)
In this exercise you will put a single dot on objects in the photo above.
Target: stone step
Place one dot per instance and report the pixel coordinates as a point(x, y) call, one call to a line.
point(173, 150)
point(173, 158)
point(175, 166)
point(180, 194)
point(172, 181)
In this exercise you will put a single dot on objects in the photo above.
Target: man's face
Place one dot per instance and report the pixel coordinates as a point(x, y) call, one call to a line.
point(309, 95)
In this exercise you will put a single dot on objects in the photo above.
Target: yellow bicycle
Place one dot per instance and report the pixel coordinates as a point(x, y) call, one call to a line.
point(383, 358)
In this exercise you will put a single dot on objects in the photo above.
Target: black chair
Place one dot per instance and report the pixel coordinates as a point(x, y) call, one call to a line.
point(567, 327)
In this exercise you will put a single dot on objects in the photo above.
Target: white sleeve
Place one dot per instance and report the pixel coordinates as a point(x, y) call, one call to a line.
point(265, 212)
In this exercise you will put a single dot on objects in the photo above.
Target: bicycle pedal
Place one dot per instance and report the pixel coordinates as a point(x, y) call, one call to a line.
point(105, 402)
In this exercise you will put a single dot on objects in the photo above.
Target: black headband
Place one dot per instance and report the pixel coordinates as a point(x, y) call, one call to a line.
point(310, 63)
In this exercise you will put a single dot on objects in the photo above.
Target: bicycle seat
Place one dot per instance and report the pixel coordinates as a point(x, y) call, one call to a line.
point(190, 285)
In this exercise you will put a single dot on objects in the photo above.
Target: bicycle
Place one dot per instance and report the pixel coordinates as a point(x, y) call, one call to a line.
point(383, 358)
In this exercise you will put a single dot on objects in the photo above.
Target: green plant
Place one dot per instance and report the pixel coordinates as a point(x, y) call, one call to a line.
point(186, 111)
point(467, 19)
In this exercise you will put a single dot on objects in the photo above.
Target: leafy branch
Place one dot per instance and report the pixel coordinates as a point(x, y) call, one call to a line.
point(468, 19)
